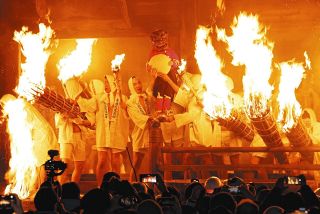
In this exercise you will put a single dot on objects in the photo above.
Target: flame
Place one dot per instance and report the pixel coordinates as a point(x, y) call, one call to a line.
point(307, 61)
point(22, 174)
point(249, 47)
point(216, 97)
point(289, 107)
point(221, 6)
point(76, 63)
point(36, 49)
point(182, 66)
point(116, 62)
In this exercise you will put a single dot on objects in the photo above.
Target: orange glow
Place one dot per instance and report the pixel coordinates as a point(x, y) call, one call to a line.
point(116, 62)
point(22, 174)
point(36, 49)
point(289, 107)
point(216, 97)
point(77, 62)
point(249, 47)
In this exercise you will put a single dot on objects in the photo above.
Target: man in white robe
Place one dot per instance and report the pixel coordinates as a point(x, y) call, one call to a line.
point(71, 130)
point(112, 126)
point(139, 110)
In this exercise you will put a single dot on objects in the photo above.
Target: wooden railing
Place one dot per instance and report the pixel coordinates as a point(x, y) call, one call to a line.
point(168, 167)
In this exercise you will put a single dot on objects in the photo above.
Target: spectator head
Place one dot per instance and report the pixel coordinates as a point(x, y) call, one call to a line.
point(70, 197)
point(70, 190)
point(224, 199)
point(203, 204)
point(220, 210)
point(107, 177)
point(262, 194)
point(247, 206)
point(172, 190)
point(140, 187)
point(95, 201)
point(190, 187)
point(292, 201)
point(235, 181)
point(189, 210)
point(149, 206)
point(317, 192)
point(45, 199)
point(274, 210)
point(169, 204)
point(211, 184)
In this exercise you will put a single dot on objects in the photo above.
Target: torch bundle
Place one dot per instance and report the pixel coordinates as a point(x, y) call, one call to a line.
point(267, 129)
point(235, 122)
point(54, 101)
point(298, 137)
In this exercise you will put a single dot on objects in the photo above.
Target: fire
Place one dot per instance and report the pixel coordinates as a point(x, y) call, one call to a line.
point(76, 63)
point(249, 47)
point(216, 97)
point(116, 62)
point(182, 66)
point(22, 174)
point(307, 60)
point(289, 108)
point(36, 49)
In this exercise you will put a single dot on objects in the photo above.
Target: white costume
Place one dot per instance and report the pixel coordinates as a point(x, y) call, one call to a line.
point(112, 125)
point(66, 125)
point(201, 129)
point(43, 135)
point(140, 115)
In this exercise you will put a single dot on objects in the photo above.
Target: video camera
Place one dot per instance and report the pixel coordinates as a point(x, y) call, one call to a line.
point(5, 203)
point(51, 166)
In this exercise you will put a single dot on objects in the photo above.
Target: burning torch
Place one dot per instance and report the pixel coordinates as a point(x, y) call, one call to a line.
point(115, 67)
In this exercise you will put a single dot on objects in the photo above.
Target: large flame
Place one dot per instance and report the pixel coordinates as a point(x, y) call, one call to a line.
point(22, 174)
point(216, 97)
point(116, 62)
point(76, 63)
point(36, 49)
point(249, 47)
point(289, 107)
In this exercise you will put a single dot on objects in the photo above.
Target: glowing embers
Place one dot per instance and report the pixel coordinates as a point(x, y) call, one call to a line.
point(77, 62)
point(36, 50)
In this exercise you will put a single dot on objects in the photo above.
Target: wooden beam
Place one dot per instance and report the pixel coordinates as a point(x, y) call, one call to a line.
point(239, 149)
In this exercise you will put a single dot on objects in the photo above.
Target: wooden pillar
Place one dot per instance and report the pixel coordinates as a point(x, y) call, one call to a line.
point(155, 143)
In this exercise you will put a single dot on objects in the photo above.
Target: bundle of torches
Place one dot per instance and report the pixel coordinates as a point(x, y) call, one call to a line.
point(248, 46)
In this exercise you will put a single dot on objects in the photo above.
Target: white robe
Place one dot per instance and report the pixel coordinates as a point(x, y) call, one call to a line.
point(139, 116)
point(110, 132)
point(43, 135)
point(201, 129)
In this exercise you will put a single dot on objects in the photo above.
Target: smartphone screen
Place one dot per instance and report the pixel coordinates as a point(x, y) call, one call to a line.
point(148, 178)
point(234, 189)
point(294, 180)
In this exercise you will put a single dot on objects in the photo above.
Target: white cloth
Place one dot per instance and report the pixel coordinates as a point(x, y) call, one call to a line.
point(43, 135)
point(111, 132)
point(201, 130)
point(140, 116)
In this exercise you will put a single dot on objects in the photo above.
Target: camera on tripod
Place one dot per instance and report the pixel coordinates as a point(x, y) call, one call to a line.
point(5, 203)
point(52, 166)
